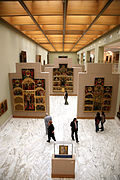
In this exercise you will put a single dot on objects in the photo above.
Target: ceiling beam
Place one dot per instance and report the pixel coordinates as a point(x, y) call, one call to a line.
point(65, 3)
point(34, 20)
point(96, 18)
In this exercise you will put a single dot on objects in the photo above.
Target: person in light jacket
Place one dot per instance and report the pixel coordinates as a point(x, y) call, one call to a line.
point(46, 120)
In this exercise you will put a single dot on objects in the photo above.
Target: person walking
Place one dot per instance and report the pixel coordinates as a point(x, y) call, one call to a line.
point(102, 121)
point(66, 97)
point(46, 120)
point(74, 129)
point(51, 131)
point(97, 121)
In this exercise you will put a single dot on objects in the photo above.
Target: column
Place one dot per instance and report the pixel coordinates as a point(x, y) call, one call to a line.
point(81, 58)
point(96, 54)
point(88, 56)
point(101, 54)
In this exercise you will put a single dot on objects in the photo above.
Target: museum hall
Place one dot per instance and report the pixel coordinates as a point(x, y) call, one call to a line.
point(60, 89)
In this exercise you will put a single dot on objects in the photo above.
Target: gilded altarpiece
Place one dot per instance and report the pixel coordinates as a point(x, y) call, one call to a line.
point(29, 93)
point(98, 97)
point(62, 78)
point(3, 107)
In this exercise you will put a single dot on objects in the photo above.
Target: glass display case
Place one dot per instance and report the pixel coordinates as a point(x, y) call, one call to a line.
point(63, 149)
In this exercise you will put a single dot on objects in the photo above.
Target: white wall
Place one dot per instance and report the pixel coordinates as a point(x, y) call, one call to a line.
point(11, 44)
point(43, 54)
point(109, 38)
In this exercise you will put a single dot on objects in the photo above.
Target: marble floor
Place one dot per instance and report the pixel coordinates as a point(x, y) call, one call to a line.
point(25, 154)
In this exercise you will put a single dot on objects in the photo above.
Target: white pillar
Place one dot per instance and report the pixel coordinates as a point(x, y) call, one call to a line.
point(81, 58)
point(96, 54)
point(88, 56)
point(101, 54)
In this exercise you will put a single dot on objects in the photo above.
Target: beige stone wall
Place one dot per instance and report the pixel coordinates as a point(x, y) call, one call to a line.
point(50, 71)
point(37, 75)
point(54, 55)
point(58, 61)
point(87, 79)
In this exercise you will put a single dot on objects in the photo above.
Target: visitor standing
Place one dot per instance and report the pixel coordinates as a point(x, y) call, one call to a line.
point(97, 121)
point(66, 97)
point(51, 131)
point(102, 121)
point(74, 129)
point(46, 120)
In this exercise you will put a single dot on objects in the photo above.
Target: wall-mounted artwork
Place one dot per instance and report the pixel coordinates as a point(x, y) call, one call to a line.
point(29, 93)
point(23, 57)
point(38, 58)
point(62, 78)
point(3, 107)
point(98, 97)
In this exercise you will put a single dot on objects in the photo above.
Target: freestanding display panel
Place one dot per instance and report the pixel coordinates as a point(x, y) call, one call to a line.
point(63, 160)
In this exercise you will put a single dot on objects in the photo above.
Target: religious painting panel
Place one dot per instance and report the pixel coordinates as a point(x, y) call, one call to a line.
point(39, 83)
point(106, 108)
point(17, 83)
point(63, 149)
point(18, 100)
point(29, 93)
point(40, 107)
point(27, 73)
point(3, 107)
point(29, 102)
point(70, 71)
point(28, 84)
point(39, 92)
point(62, 78)
point(89, 90)
point(56, 72)
point(88, 108)
point(98, 93)
point(88, 102)
point(40, 100)
point(98, 97)
point(107, 98)
point(99, 81)
point(18, 107)
point(17, 92)
point(89, 94)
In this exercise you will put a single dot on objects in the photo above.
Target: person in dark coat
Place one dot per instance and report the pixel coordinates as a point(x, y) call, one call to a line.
point(51, 131)
point(102, 121)
point(97, 121)
point(66, 97)
point(74, 129)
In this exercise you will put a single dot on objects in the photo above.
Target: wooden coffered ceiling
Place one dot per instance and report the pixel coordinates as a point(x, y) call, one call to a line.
point(62, 25)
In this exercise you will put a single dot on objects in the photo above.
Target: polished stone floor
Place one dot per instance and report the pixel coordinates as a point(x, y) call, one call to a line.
point(25, 154)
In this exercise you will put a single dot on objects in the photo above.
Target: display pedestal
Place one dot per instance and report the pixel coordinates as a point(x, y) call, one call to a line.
point(63, 167)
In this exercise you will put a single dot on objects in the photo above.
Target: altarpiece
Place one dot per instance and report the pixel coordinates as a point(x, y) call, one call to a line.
point(98, 97)
point(62, 78)
point(29, 92)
